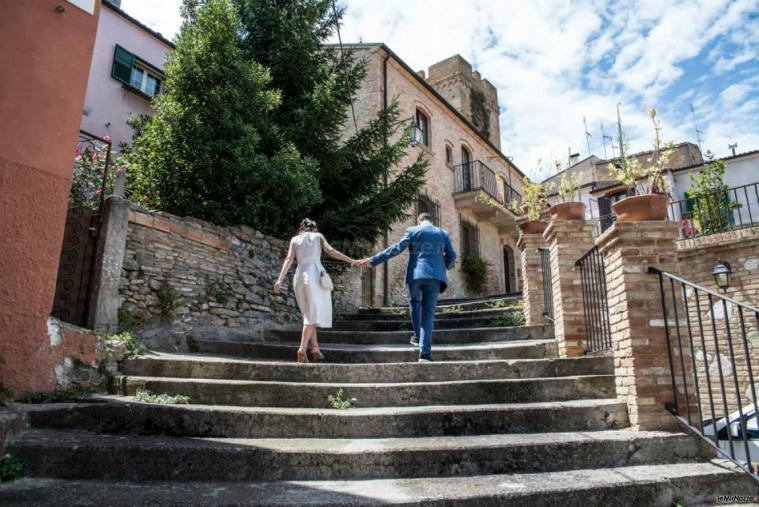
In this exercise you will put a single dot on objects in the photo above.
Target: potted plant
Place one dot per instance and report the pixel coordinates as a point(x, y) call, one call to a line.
point(648, 191)
point(533, 204)
point(569, 208)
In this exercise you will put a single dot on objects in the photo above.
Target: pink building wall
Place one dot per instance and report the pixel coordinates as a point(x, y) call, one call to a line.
point(108, 105)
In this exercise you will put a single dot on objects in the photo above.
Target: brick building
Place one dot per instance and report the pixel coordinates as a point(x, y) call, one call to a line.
point(470, 182)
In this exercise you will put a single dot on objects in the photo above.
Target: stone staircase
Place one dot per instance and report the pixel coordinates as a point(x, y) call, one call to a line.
point(496, 420)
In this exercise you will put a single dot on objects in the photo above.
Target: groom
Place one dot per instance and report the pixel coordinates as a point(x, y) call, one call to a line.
point(431, 254)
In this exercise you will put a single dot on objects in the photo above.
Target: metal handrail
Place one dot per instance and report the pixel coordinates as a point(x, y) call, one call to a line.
point(717, 211)
point(681, 345)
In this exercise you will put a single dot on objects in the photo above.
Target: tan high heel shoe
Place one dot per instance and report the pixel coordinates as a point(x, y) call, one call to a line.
point(316, 355)
point(302, 356)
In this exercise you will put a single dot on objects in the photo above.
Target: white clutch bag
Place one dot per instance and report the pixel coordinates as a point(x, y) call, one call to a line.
point(325, 281)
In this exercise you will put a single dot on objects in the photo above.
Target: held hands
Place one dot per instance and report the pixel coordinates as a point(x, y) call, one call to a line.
point(364, 263)
point(277, 286)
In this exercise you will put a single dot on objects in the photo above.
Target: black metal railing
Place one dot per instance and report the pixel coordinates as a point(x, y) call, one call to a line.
point(545, 267)
point(594, 300)
point(714, 212)
point(476, 175)
point(711, 366)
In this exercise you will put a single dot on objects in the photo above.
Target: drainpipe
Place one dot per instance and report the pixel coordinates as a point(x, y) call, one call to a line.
point(385, 274)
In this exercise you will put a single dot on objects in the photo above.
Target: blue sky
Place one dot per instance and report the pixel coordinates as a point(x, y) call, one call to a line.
point(555, 62)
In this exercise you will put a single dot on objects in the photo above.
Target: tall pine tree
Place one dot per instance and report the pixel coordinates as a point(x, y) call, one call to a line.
point(211, 150)
point(364, 190)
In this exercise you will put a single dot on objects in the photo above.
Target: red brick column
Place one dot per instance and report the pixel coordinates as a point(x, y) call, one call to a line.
point(532, 278)
point(568, 240)
point(638, 334)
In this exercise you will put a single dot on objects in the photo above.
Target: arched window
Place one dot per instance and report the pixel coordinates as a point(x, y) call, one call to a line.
point(422, 128)
point(448, 155)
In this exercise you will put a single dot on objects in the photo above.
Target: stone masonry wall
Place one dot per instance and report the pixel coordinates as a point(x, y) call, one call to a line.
point(697, 258)
point(189, 276)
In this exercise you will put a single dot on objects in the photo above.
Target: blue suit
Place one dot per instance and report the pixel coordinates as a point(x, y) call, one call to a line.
point(430, 255)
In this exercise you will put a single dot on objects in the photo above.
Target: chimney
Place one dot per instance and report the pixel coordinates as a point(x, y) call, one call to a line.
point(574, 158)
point(421, 74)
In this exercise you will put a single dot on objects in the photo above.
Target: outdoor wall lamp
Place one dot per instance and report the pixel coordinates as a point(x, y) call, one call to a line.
point(416, 138)
point(722, 274)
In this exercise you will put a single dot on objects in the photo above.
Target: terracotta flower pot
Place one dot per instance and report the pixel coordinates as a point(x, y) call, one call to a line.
point(639, 208)
point(533, 227)
point(568, 211)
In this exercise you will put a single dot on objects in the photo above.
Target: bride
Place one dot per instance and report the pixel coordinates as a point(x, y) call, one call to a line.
point(311, 283)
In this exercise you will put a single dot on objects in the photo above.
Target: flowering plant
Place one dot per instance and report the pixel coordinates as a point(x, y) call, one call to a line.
point(91, 159)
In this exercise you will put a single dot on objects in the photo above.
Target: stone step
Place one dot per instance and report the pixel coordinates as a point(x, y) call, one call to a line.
point(404, 323)
point(214, 367)
point(352, 353)
point(440, 315)
point(454, 306)
point(639, 486)
point(255, 393)
point(124, 415)
point(440, 336)
point(82, 455)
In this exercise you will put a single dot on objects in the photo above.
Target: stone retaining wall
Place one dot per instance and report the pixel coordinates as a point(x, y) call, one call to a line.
point(201, 280)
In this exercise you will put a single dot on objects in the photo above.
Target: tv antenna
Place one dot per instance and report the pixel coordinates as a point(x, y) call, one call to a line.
point(732, 147)
point(588, 135)
point(695, 123)
point(604, 137)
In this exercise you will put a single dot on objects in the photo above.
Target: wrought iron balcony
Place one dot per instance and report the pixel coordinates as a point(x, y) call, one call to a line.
point(475, 175)
point(479, 189)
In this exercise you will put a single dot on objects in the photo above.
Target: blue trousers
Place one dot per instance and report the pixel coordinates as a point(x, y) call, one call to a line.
point(423, 296)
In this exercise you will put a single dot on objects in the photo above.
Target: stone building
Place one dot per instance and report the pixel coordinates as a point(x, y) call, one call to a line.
point(470, 183)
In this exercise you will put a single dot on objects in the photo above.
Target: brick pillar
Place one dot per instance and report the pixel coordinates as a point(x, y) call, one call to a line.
point(532, 278)
point(568, 240)
point(639, 342)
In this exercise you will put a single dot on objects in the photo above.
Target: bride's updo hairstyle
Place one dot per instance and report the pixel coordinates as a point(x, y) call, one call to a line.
point(307, 225)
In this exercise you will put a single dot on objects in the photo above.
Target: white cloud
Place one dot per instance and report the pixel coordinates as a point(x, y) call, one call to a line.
point(556, 61)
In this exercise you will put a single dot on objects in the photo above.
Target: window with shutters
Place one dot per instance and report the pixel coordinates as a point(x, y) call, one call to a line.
point(136, 74)
point(470, 239)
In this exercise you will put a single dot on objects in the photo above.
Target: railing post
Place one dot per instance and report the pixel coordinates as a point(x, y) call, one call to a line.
point(532, 278)
point(638, 329)
point(568, 240)
point(109, 258)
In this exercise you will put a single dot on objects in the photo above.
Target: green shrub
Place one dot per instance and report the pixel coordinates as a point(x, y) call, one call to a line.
point(11, 468)
point(475, 270)
point(146, 396)
point(167, 299)
point(220, 292)
point(57, 395)
point(192, 343)
point(338, 400)
point(132, 344)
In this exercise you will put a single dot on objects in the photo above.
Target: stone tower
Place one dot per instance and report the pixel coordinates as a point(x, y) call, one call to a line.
point(474, 97)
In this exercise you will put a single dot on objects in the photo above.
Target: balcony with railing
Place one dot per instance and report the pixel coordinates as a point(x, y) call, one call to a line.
point(477, 188)
point(704, 214)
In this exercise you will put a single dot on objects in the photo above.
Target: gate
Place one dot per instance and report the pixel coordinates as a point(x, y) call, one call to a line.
point(76, 267)
point(594, 300)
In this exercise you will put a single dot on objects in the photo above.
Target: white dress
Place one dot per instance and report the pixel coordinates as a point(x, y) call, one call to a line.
point(315, 303)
